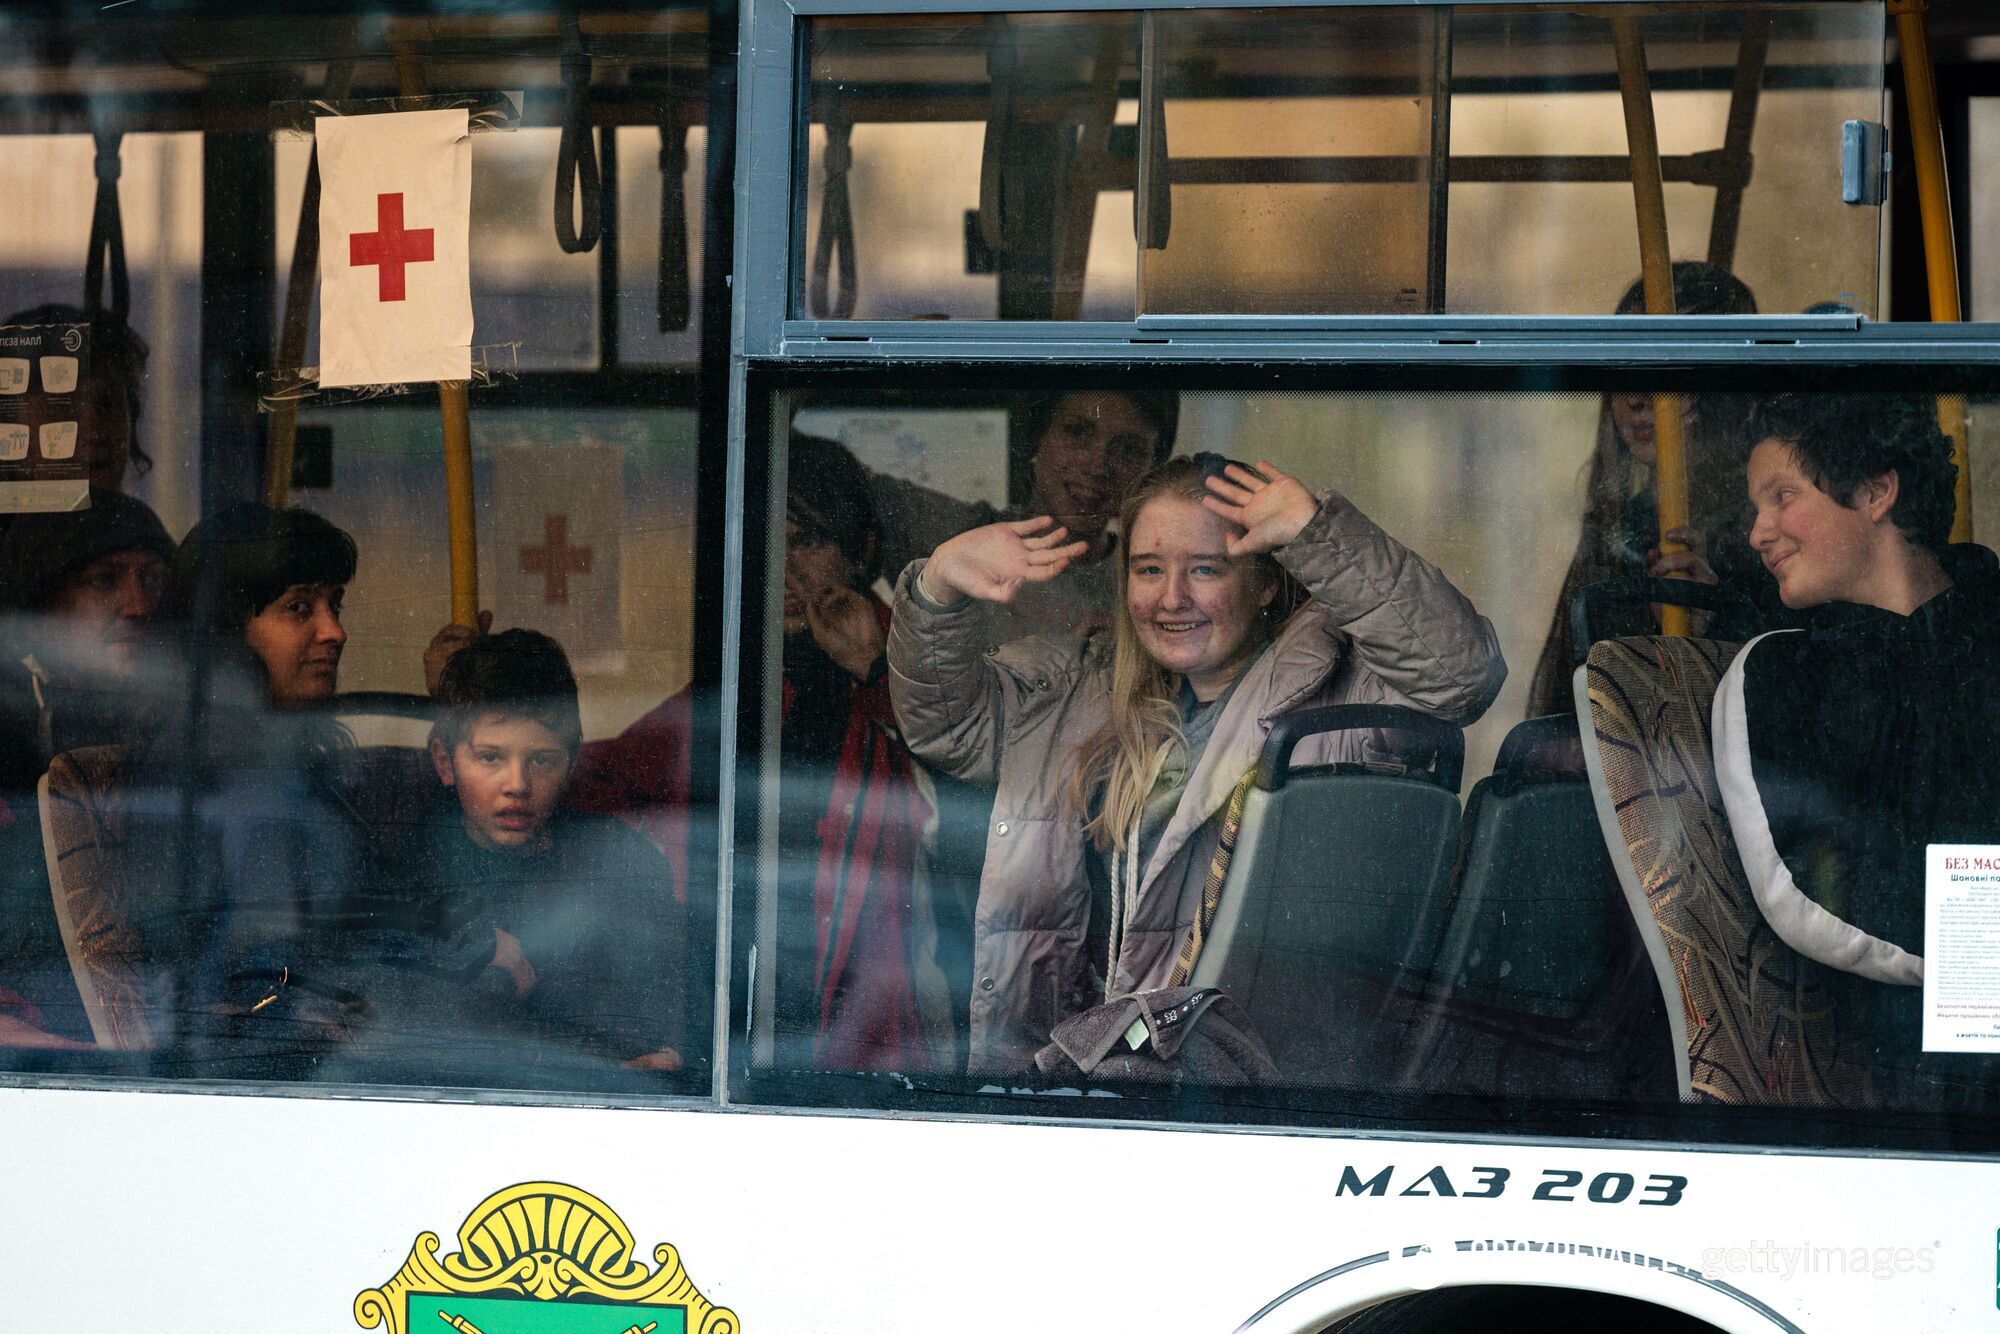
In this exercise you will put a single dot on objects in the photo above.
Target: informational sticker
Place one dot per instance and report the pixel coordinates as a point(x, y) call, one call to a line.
point(43, 464)
point(962, 454)
point(1962, 947)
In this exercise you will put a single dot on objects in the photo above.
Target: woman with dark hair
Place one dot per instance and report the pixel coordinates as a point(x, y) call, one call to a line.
point(1071, 456)
point(259, 890)
point(1621, 519)
point(854, 958)
point(268, 582)
point(1112, 776)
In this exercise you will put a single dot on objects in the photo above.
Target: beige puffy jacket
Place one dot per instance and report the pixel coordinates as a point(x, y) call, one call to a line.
point(1383, 626)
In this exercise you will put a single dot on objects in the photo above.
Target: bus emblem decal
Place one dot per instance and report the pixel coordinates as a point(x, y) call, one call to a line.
point(540, 1258)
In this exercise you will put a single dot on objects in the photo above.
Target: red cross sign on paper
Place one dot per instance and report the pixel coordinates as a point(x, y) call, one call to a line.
point(390, 247)
point(555, 560)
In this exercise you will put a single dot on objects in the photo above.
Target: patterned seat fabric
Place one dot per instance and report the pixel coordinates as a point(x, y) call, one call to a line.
point(1761, 1024)
point(83, 837)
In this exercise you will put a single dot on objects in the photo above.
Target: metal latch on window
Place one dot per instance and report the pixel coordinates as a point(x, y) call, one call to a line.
point(1864, 162)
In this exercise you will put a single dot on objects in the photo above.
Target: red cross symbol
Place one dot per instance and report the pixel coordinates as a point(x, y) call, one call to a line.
point(555, 560)
point(390, 246)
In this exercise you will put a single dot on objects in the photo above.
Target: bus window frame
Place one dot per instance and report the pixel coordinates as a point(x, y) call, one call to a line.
point(775, 353)
point(770, 242)
point(239, 274)
point(1453, 1117)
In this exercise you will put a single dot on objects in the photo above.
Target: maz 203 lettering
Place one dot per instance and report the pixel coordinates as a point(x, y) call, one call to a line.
point(1558, 1185)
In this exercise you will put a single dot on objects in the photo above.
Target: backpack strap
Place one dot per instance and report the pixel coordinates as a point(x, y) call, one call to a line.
point(1211, 889)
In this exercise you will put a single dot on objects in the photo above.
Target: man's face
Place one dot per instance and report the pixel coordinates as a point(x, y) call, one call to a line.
point(95, 624)
point(299, 639)
point(1818, 549)
point(1096, 446)
point(509, 773)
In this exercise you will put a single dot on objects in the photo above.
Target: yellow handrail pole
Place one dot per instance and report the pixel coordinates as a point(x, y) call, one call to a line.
point(1642, 143)
point(1934, 209)
point(462, 523)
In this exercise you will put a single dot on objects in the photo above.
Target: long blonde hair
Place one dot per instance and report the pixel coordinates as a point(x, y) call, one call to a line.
point(1123, 758)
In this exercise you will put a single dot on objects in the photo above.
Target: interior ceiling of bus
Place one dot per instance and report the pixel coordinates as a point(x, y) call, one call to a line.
point(166, 73)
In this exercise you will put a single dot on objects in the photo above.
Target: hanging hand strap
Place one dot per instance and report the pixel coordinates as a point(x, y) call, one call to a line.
point(836, 226)
point(576, 155)
point(676, 292)
point(107, 235)
point(1211, 889)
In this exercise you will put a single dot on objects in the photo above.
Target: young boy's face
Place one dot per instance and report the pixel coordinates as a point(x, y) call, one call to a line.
point(509, 773)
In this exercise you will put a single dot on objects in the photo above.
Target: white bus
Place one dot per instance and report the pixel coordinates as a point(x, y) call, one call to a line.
point(483, 840)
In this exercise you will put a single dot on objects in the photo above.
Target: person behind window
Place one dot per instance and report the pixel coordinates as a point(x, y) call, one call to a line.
point(253, 895)
point(1081, 452)
point(1844, 748)
point(567, 917)
point(108, 398)
point(1621, 520)
point(267, 586)
point(1112, 777)
point(79, 592)
point(855, 984)
point(858, 985)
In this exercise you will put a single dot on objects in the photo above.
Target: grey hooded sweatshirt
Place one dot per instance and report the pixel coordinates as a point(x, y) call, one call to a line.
point(1383, 626)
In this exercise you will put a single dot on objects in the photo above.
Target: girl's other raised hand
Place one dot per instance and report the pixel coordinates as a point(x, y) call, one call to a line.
point(1271, 507)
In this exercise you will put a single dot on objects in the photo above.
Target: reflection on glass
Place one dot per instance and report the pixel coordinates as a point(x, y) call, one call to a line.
point(970, 168)
point(1352, 161)
point(1374, 928)
point(264, 815)
point(1749, 104)
point(1296, 155)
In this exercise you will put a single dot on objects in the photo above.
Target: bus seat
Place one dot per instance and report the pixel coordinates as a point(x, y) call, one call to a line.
point(387, 776)
point(1753, 1021)
point(83, 840)
point(384, 717)
point(1334, 900)
point(393, 789)
point(1532, 923)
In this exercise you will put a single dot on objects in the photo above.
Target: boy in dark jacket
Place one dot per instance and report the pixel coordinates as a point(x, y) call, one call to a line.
point(565, 918)
point(1843, 750)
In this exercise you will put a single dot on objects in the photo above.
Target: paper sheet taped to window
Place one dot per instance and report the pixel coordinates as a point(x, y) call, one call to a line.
point(395, 281)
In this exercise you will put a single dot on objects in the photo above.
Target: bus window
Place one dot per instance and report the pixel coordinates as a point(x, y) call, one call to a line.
point(1356, 161)
point(269, 813)
point(994, 189)
point(1430, 901)
point(1295, 189)
point(1749, 104)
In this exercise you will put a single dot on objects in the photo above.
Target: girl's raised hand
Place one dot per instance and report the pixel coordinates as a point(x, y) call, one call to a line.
point(1269, 506)
point(993, 563)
